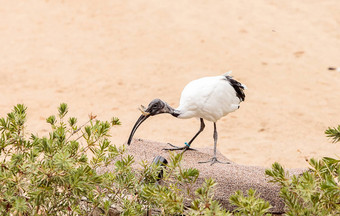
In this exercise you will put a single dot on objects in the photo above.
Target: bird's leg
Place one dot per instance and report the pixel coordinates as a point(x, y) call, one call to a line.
point(214, 159)
point(187, 145)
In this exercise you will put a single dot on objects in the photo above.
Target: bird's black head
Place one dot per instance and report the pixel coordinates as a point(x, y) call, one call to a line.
point(155, 107)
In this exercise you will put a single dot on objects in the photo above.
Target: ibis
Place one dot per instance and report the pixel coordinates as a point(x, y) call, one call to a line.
point(207, 98)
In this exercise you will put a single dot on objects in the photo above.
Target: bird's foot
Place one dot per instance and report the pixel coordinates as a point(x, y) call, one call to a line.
point(175, 148)
point(214, 160)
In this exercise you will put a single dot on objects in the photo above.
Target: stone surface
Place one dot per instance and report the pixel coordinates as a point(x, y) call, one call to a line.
point(230, 177)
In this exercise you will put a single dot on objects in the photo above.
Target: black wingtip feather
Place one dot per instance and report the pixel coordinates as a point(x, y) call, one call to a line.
point(238, 87)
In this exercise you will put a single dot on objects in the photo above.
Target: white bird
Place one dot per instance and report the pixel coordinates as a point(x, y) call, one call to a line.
point(207, 98)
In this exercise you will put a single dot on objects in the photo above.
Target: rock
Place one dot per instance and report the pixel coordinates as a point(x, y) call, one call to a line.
point(230, 177)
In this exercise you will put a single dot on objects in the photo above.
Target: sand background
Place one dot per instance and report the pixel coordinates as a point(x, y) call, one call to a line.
point(108, 57)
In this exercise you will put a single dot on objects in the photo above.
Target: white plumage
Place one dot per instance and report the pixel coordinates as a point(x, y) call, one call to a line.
point(209, 98)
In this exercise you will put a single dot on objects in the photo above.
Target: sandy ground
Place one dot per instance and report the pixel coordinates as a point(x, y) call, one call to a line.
point(111, 56)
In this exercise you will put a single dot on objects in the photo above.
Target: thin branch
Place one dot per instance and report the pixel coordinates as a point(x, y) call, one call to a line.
point(75, 131)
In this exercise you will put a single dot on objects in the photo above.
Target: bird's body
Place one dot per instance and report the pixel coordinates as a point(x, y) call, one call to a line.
point(208, 98)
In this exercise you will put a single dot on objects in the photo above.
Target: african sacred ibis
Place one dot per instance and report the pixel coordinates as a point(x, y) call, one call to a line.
point(207, 98)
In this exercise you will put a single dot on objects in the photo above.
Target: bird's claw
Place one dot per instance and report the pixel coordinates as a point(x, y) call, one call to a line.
point(214, 160)
point(175, 148)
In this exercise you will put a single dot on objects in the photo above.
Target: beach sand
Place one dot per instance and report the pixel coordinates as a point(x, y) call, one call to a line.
point(110, 57)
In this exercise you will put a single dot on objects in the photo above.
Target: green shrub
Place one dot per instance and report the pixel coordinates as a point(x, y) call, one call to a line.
point(51, 175)
point(251, 205)
point(54, 175)
point(316, 191)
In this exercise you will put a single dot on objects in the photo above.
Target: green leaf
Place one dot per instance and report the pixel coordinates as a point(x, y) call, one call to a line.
point(333, 133)
point(20, 205)
point(51, 120)
point(72, 121)
point(115, 121)
point(63, 110)
point(277, 173)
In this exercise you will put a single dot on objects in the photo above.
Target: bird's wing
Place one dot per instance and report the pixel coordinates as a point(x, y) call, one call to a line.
point(238, 87)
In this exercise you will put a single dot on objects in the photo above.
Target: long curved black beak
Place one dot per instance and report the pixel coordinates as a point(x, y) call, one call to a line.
point(138, 123)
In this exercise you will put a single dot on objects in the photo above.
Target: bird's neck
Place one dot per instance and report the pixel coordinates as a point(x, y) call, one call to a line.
point(172, 111)
point(175, 113)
